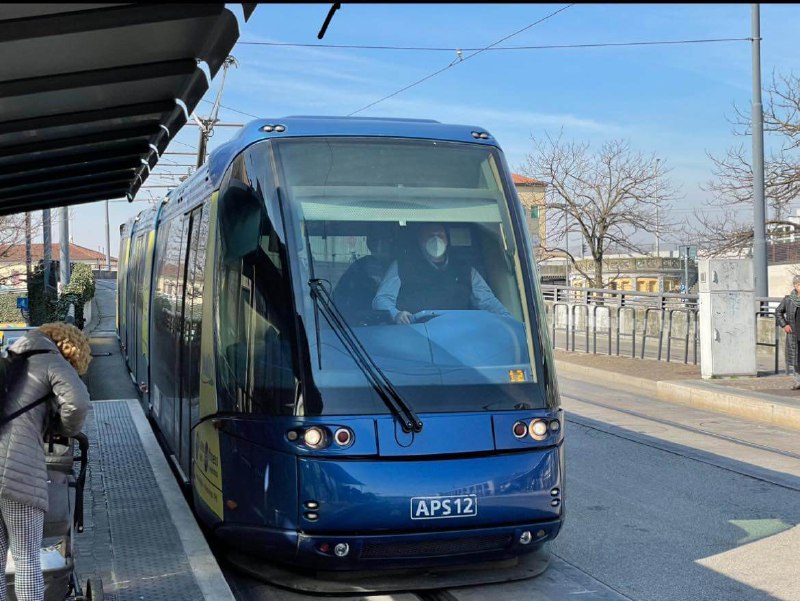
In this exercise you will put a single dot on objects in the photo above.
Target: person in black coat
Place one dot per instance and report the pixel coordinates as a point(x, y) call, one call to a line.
point(358, 285)
point(787, 316)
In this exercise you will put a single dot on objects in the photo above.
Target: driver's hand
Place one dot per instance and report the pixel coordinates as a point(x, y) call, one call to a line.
point(403, 317)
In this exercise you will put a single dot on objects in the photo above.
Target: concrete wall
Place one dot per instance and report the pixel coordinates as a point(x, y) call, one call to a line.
point(103, 274)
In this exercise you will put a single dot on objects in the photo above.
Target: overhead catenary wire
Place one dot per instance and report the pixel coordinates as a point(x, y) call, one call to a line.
point(462, 59)
point(537, 47)
point(492, 47)
point(232, 109)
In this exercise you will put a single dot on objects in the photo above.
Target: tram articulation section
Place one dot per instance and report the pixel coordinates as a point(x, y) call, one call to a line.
point(408, 418)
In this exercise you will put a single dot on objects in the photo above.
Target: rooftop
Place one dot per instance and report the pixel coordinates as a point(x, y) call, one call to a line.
point(13, 253)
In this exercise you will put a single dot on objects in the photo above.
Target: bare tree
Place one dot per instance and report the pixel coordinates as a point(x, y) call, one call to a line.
point(608, 196)
point(12, 245)
point(732, 183)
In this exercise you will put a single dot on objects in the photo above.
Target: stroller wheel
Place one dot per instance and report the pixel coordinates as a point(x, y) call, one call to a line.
point(94, 590)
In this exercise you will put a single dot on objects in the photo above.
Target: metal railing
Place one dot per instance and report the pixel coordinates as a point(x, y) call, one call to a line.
point(765, 308)
point(662, 326)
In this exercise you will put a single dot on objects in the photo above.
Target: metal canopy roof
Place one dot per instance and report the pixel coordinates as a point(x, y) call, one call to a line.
point(91, 94)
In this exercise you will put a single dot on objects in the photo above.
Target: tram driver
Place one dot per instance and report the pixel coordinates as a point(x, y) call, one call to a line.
point(428, 278)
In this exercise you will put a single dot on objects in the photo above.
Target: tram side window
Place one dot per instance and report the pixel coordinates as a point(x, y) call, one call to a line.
point(255, 365)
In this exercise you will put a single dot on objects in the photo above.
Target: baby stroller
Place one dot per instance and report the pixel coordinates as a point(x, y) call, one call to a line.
point(64, 516)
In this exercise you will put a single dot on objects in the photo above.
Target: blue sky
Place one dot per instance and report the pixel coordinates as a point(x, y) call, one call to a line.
point(673, 101)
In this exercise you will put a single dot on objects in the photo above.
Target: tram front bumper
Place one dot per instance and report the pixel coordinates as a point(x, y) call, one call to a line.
point(390, 551)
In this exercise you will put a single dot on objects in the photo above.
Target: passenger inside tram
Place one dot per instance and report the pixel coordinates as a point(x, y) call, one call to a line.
point(429, 278)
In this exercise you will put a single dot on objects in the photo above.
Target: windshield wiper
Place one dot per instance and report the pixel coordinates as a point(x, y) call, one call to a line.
point(386, 391)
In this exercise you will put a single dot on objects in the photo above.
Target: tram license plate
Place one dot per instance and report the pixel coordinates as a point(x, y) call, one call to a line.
point(429, 508)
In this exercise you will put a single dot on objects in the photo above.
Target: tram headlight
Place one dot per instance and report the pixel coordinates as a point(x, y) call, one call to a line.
point(555, 425)
point(538, 429)
point(314, 437)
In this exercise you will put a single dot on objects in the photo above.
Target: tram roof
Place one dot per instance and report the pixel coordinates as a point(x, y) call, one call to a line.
point(308, 126)
point(92, 94)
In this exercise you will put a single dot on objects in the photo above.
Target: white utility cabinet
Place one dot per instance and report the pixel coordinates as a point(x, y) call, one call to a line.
point(727, 318)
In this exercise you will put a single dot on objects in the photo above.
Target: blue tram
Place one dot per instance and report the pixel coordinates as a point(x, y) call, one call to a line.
point(337, 327)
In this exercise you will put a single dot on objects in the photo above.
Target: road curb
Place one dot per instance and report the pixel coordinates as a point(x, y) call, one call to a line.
point(754, 406)
point(612, 378)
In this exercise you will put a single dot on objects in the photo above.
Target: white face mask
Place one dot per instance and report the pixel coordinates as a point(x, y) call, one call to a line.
point(435, 246)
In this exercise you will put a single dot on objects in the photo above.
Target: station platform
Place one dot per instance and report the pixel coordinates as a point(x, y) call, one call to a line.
point(140, 536)
point(767, 398)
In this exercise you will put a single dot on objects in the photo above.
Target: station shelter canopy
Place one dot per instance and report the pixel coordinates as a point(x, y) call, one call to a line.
point(92, 94)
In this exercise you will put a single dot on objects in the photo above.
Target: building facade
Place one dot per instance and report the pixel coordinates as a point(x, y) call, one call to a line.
point(641, 273)
point(531, 195)
point(13, 269)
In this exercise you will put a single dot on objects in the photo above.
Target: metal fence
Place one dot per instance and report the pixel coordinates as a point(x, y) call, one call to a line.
point(662, 326)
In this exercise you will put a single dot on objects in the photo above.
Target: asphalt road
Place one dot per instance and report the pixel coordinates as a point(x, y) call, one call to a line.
point(666, 502)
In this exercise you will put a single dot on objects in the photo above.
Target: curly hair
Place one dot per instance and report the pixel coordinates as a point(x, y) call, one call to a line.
point(72, 343)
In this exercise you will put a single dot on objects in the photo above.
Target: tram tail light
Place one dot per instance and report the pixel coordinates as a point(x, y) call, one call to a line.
point(343, 437)
point(520, 429)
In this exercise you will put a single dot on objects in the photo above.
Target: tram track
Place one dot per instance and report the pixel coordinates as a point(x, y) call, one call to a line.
point(586, 423)
point(435, 595)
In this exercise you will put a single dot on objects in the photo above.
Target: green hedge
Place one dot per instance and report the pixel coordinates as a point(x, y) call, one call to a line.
point(81, 283)
point(8, 308)
point(41, 309)
point(80, 290)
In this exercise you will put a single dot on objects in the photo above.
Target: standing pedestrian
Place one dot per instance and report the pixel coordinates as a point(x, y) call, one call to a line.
point(788, 317)
point(46, 363)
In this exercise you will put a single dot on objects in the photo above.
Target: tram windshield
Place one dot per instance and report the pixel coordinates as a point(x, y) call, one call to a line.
point(412, 240)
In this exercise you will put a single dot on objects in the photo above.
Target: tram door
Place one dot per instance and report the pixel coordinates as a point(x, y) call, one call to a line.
point(190, 332)
point(134, 301)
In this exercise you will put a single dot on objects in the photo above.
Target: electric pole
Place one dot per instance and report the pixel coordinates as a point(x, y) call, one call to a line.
point(206, 126)
point(28, 257)
point(757, 116)
point(108, 242)
point(658, 224)
point(63, 275)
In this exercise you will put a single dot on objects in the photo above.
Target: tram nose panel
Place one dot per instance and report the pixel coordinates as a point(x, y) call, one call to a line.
point(441, 434)
point(405, 495)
